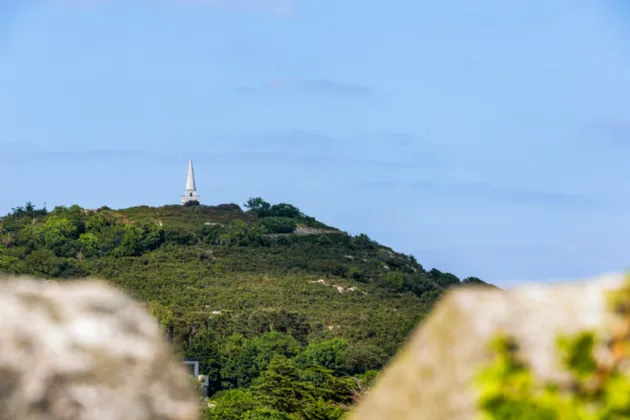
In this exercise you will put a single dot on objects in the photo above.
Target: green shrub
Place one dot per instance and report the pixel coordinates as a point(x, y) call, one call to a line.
point(327, 354)
point(278, 224)
point(229, 207)
point(179, 236)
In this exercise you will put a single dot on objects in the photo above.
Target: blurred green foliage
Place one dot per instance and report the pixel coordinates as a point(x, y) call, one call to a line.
point(597, 388)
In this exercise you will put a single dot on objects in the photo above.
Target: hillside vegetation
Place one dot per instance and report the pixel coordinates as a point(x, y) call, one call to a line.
point(291, 318)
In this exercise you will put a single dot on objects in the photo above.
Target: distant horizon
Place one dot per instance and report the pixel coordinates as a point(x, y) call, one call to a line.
point(486, 138)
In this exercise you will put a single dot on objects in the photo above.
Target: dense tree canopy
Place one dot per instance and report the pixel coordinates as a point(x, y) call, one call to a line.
point(264, 310)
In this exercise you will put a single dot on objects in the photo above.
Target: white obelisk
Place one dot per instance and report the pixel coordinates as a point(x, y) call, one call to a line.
point(190, 193)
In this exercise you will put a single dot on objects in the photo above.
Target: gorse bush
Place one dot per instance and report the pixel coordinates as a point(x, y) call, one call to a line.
point(262, 309)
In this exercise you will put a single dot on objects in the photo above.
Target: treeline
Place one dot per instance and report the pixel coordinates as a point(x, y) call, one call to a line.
point(72, 232)
point(282, 213)
point(53, 244)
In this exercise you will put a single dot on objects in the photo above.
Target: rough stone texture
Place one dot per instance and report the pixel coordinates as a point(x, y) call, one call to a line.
point(85, 351)
point(431, 377)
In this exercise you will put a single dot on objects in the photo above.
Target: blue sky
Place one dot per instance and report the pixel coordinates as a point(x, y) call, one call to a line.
point(486, 138)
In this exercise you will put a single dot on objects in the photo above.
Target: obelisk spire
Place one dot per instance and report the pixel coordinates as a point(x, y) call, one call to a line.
point(190, 194)
point(190, 181)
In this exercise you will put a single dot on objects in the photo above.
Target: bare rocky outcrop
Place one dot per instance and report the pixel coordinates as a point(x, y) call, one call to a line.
point(85, 351)
point(432, 377)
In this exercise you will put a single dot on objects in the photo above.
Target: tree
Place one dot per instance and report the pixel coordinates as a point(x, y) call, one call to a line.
point(326, 386)
point(100, 221)
point(60, 234)
point(269, 344)
point(283, 321)
point(363, 241)
point(143, 236)
point(258, 206)
point(396, 282)
point(265, 413)
point(422, 283)
point(443, 279)
point(164, 316)
point(179, 236)
point(476, 281)
point(241, 234)
point(322, 410)
point(7, 262)
point(30, 236)
point(244, 359)
point(324, 241)
point(285, 210)
point(130, 244)
point(230, 207)
point(44, 263)
point(275, 224)
point(204, 347)
point(89, 244)
point(152, 235)
point(328, 354)
point(281, 388)
point(232, 405)
point(361, 358)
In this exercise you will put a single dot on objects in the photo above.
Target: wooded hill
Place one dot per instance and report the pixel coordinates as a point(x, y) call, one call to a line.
point(268, 298)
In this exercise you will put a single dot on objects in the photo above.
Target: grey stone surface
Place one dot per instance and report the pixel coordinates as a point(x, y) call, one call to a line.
point(85, 351)
point(431, 378)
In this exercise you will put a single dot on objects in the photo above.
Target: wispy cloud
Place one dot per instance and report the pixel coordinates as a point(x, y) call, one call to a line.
point(278, 8)
point(318, 86)
point(401, 139)
point(514, 195)
point(323, 161)
point(295, 141)
point(24, 156)
point(403, 148)
point(272, 159)
point(333, 88)
point(11, 144)
point(261, 148)
point(611, 132)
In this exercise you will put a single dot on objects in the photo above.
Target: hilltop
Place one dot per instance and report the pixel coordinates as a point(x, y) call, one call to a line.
point(245, 291)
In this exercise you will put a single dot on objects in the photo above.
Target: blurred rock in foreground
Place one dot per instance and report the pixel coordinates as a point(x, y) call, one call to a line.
point(430, 379)
point(85, 351)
